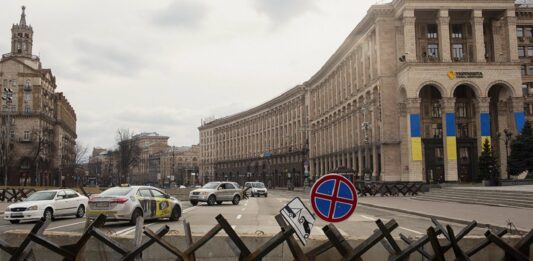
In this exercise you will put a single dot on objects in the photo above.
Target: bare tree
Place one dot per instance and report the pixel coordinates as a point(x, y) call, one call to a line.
point(81, 152)
point(38, 152)
point(128, 153)
point(6, 154)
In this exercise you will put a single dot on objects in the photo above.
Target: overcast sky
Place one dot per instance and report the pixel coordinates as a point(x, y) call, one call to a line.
point(163, 65)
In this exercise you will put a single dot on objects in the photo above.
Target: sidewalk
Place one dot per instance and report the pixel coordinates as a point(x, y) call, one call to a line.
point(3, 206)
point(456, 212)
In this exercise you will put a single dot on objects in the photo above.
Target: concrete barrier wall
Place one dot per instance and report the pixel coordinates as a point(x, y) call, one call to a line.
point(219, 248)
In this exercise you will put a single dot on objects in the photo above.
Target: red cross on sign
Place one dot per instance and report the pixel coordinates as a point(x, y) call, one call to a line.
point(333, 198)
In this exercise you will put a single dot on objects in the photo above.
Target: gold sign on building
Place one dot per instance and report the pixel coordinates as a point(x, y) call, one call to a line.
point(452, 75)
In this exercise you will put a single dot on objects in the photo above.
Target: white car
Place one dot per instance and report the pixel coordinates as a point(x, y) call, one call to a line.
point(256, 188)
point(127, 203)
point(49, 204)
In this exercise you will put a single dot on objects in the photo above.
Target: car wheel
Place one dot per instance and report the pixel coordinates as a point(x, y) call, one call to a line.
point(136, 213)
point(194, 203)
point(48, 214)
point(211, 200)
point(253, 195)
point(236, 200)
point(266, 195)
point(219, 202)
point(81, 211)
point(14, 221)
point(176, 213)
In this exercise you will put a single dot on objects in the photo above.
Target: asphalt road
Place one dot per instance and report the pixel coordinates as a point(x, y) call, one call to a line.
point(254, 216)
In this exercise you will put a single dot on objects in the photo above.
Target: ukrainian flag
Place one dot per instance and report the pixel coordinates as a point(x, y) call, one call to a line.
point(451, 136)
point(485, 127)
point(416, 138)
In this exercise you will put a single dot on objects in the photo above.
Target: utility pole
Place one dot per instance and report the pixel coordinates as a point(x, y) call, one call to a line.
point(8, 99)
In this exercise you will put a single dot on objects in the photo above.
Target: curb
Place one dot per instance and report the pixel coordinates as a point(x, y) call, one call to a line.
point(449, 219)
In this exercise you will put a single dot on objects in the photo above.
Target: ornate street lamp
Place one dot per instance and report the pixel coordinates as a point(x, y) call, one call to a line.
point(8, 99)
point(365, 126)
point(507, 136)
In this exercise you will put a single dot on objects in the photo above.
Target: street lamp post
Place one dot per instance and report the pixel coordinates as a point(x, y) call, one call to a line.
point(8, 99)
point(365, 126)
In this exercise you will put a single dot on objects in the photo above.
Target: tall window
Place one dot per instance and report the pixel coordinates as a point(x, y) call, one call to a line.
point(523, 69)
point(528, 31)
point(437, 130)
point(457, 31)
point(530, 51)
point(530, 70)
point(519, 32)
point(457, 51)
point(527, 89)
point(432, 31)
point(435, 110)
point(462, 130)
point(521, 51)
point(26, 135)
point(433, 50)
point(461, 110)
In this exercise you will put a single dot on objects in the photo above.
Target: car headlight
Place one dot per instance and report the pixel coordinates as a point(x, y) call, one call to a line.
point(32, 208)
point(205, 193)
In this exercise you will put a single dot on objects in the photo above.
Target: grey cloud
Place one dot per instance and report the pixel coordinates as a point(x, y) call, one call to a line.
point(157, 117)
point(281, 11)
point(181, 14)
point(106, 59)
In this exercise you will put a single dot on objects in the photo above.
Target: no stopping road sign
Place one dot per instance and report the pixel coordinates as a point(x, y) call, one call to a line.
point(333, 198)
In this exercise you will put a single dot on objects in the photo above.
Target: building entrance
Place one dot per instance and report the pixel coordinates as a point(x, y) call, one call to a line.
point(467, 159)
point(434, 160)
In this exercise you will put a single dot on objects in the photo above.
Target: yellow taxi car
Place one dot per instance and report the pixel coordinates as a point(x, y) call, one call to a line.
point(126, 203)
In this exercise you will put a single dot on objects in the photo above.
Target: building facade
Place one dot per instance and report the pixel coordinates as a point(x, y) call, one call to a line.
point(38, 124)
point(179, 165)
point(410, 95)
point(268, 143)
point(147, 169)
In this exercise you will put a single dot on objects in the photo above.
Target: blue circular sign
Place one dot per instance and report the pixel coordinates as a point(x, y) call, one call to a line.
point(334, 198)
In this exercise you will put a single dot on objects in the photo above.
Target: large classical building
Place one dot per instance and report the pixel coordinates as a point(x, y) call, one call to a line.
point(410, 95)
point(38, 127)
point(157, 163)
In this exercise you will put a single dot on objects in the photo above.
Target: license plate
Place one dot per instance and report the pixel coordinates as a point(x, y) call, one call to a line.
point(102, 204)
point(16, 215)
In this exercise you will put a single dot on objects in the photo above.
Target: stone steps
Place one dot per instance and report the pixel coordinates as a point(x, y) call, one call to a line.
point(484, 197)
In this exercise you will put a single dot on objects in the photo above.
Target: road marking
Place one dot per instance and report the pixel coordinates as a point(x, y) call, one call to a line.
point(367, 217)
point(239, 216)
point(124, 230)
point(67, 225)
point(188, 210)
point(410, 230)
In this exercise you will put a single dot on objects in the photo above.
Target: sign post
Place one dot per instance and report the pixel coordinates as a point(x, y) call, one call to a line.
point(333, 198)
point(299, 218)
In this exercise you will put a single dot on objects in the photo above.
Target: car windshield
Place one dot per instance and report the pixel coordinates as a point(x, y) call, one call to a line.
point(117, 191)
point(211, 185)
point(259, 185)
point(42, 195)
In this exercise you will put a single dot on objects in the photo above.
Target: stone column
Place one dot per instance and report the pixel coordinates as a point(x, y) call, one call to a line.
point(510, 26)
point(449, 139)
point(518, 113)
point(416, 166)
point(444, 36)
point(404, 142)
point(477, 32)
point(409, 34)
